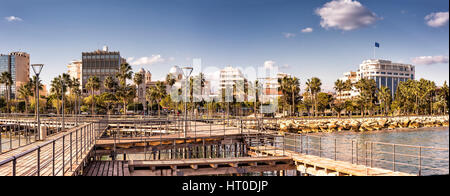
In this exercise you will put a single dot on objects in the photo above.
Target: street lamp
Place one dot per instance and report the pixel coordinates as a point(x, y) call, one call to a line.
point(37, 68)
point(187, 71)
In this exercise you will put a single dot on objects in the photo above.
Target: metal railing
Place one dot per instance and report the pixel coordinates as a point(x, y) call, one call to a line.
point(55, 157)
point(420, 160)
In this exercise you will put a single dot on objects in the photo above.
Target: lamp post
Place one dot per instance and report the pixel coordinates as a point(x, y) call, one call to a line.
point(37, 68)
point(187, 71)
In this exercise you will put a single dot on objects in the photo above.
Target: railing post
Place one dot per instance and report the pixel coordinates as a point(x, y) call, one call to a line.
point(63, 153)
point(393, 158)
point(71, 151)
point(53, 157)
point(357, 149)
point(39, 161)
point(295, 143)
point(371, 154)
point(320, 146)
point(420, 160)
point(335, 149)
point(14, 166)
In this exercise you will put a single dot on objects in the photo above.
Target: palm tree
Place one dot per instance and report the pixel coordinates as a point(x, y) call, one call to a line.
point(33, 87)
point(159, 93)
point(125, 94)
point(93, 84)
point(6, 79)
point(385, 98)
point(339, 86)
point(76, 91)
point(25, 92)
point(110, 84)
point(314, 87)
point(289, 87)
point(56, 91)
point(170, 80)
point(138, 80)
point(367, 89)
point(124, 74)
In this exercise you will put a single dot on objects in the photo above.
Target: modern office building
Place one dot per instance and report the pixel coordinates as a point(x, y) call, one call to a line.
point(18, 65)
point(100, 63)
point(384, 72)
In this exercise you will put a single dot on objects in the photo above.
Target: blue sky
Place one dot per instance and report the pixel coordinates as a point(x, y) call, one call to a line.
point(239, 33)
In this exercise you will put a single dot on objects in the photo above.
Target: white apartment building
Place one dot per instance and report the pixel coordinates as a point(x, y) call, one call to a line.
point(75, 70)
point(384, 72)
point(229, 76)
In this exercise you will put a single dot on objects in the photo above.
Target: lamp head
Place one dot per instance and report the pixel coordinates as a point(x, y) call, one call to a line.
point(37, 68)
point(187, 71)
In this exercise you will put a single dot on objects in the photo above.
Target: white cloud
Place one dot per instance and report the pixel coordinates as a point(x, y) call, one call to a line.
point(146, 60)
point(269, 64)
point(437, 19)
point(345, 15)
point(307, 30)
point(285, 66)
point(13, 19)
point(289, 35)
point(430, 60)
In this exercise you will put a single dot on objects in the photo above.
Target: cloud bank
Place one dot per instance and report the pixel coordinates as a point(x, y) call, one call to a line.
point(437, 19)
point(345, 15)
point(13, 19)
point(307, 30)
point(430, 60)
point(146, 60)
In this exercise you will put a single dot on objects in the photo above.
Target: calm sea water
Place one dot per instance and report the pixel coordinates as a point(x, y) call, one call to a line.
point(430, 159)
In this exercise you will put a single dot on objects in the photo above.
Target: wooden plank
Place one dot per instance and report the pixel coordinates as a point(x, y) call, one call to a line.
point(126, 171)
point(111, 168)
point(105, 169)
point(120, 167)
point(115, 168)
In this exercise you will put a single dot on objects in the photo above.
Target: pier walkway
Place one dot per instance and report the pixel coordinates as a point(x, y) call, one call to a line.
point(319, 166)
point(208, 148)
point(60, 155)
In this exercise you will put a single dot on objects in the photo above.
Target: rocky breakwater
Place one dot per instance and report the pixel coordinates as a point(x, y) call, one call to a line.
point(360, 124)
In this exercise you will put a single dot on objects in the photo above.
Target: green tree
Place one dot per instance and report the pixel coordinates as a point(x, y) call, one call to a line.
point(6, 79)
point(25, 92)
point(125, 72)
point(314, 87)
point(384, 98)
point(93, 84)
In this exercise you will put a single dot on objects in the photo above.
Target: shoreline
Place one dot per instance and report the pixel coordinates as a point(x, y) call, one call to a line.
point(361, 125)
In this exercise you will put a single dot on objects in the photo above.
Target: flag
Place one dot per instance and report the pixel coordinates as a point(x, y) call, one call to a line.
point(377, 44)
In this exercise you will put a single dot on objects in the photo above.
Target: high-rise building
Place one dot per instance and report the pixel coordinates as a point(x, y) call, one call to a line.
point(384, 72)
point(18, 65)
point(100, 63)
point(75, 70)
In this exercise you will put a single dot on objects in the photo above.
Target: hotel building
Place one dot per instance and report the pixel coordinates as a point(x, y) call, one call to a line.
point(384, 72)
point(18, 65)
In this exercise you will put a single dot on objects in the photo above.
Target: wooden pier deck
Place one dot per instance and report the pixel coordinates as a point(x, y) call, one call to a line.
point(203, 130)
point(59, 154)
point(107, 168)
point(217, 166)
point(319, 166)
